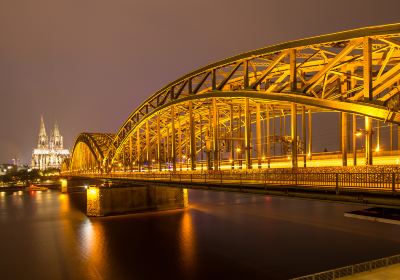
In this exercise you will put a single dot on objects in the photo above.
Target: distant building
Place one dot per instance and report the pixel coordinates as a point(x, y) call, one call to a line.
point(50, 151)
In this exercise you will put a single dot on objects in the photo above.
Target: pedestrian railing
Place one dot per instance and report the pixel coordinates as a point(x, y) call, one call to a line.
point(351, 269)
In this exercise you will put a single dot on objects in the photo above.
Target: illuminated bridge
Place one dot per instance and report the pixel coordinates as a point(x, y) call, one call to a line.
point(255, 111)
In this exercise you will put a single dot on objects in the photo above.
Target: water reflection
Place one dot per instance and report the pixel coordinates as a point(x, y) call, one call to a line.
point(93, 247)
point(219, 236)
point(64, 203)
point(187, 240)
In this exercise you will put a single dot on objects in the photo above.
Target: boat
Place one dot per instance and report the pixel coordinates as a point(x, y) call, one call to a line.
point(36, 188)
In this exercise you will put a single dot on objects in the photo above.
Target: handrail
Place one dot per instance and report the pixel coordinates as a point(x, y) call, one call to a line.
point(385, 181)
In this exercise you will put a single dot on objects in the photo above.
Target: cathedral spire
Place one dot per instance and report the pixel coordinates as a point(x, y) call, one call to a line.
point(56, 130)
point(56, 140)
point(42, 131)
point(42, 143)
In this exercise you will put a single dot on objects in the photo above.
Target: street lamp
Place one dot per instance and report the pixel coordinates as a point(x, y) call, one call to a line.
point(358, 133)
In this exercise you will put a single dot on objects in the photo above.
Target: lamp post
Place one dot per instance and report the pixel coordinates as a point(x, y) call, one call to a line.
point(238, 151)
point(358, 133)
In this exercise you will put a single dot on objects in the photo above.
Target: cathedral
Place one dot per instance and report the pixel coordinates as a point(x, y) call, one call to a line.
point(50, 151)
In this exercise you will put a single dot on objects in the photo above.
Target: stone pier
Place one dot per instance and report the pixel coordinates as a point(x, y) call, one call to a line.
point(64, 185)
point(106, 200)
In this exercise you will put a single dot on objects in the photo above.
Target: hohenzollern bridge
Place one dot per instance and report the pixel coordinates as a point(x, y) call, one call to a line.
point(254, 112)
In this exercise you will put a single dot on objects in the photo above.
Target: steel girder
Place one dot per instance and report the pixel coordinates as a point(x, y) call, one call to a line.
point(355, 71)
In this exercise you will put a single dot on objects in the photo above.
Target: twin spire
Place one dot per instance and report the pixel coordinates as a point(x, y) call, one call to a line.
point(56, 140)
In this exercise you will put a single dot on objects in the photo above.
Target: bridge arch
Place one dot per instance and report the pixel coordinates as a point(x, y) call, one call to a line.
point(232, 106)
point(89, 152)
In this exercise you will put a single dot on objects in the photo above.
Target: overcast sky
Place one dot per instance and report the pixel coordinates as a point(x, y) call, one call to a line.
point(89, 63)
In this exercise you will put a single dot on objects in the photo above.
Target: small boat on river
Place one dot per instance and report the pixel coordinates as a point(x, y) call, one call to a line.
point(36, 188)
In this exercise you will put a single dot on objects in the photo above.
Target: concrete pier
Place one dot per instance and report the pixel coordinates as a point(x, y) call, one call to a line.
point(64, 185)
point(104, 200)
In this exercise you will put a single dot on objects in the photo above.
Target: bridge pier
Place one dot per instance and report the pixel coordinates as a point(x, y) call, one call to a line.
point(64, 186)
point(294, 134)
point(103, 201)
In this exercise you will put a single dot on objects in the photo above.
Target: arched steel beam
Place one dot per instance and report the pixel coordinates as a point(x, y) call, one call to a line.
point(365, 109)
point(93, 145)
point(326, 69)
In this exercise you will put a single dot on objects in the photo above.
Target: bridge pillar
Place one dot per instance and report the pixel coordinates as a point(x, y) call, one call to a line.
point(148, 159)
point(294, 134)
point(247, 133)
point(215, 126)
point(258, 135)
point(173, 144)
point(267, 132)
point(354, 140)
point(303, 134)
point(201, 141)
point(138, 149)
point(192, 138)
point(159, 143)
point(232, 141)
point(282, 128)
point(208, 147)
point(130, 154)
point(368, 141)
point(309, 134)
point(378, 136)
point(166, 148)
point(344, 140)
point(180, 143)
point(240, 142)
point(391, 138)
point(398, 137)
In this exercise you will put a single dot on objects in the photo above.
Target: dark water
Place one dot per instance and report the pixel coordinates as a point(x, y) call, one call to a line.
point(220, 236)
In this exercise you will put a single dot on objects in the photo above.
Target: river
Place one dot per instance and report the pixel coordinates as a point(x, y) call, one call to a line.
point(221, 235)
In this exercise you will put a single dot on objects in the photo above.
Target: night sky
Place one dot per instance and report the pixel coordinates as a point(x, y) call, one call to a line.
point(89, 64)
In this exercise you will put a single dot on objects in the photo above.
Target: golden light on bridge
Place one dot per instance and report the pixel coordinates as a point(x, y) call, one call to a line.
point(241, 109)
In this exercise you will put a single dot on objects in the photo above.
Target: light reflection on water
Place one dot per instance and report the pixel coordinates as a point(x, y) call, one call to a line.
point(93, 247)
point(220, 235)
point(187, 240)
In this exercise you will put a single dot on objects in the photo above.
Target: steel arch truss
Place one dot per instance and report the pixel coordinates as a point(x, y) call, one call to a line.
point(355, 71)
point(225, 109)
point(89, 151)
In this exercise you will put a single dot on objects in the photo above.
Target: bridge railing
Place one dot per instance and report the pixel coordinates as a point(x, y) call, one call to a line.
point(388, 182)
